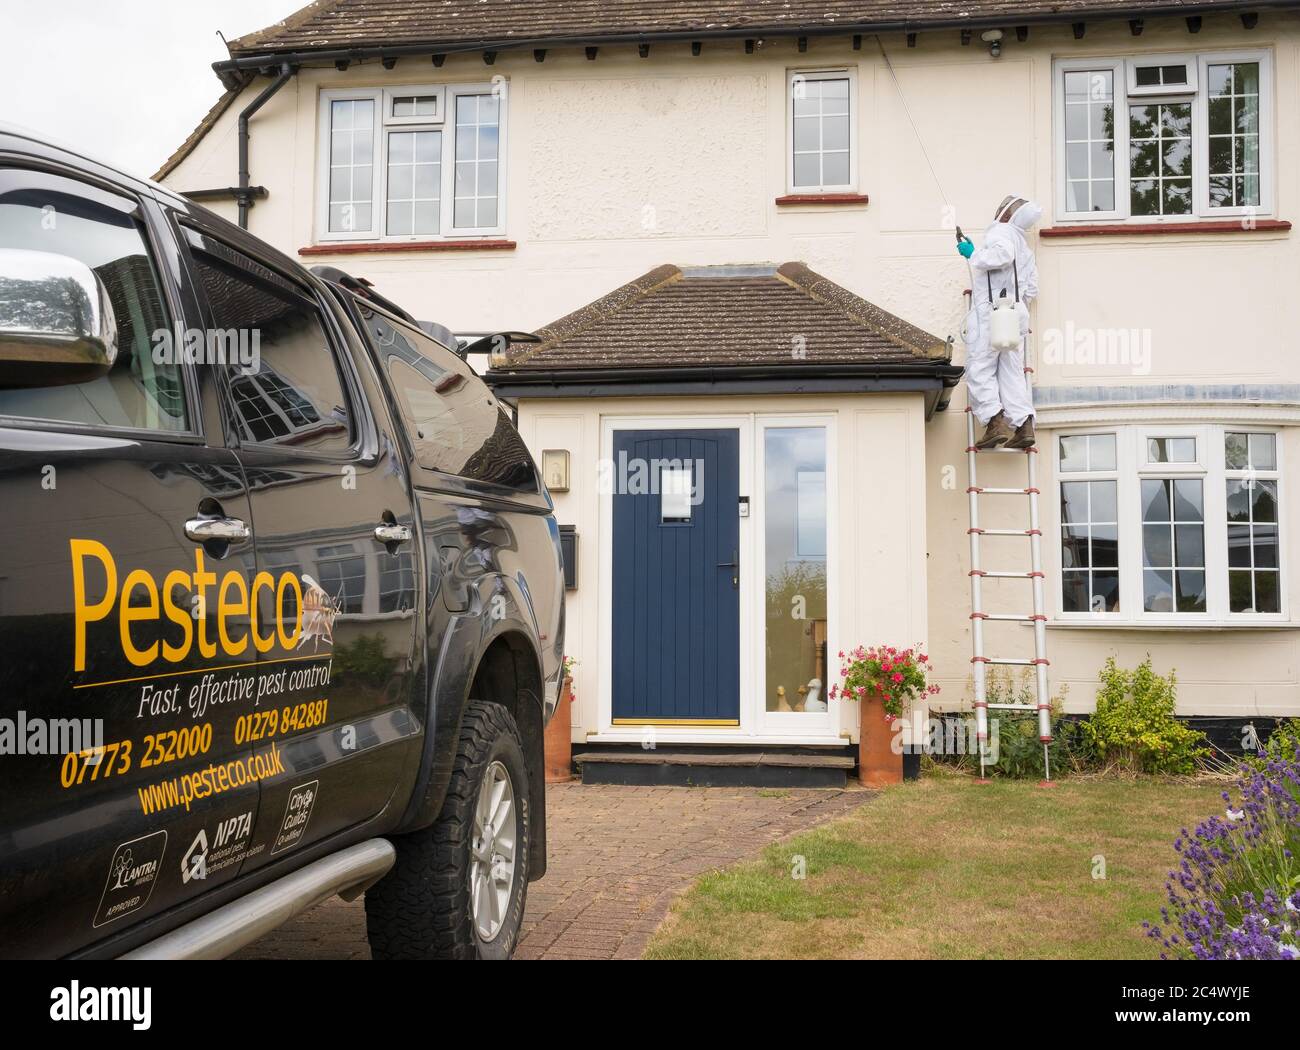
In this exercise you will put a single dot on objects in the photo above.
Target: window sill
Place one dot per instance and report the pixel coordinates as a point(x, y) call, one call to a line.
point(821, 198)
point(1123, 229)
point(1166, 625)
point(369, 247)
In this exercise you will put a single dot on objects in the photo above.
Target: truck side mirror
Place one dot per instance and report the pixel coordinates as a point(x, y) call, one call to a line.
point(56, 321)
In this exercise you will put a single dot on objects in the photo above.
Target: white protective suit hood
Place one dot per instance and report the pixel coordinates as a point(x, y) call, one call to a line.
point(1020, 212)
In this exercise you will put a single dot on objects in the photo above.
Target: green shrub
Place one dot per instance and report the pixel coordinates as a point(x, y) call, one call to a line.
point(1134, 728)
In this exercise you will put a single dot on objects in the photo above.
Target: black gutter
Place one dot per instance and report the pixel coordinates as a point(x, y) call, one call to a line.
point(935, 381)
point(242, 194)
point(228, 68)
point(226, 193)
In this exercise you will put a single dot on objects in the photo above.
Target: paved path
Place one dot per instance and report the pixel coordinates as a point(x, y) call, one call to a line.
point(618, 858)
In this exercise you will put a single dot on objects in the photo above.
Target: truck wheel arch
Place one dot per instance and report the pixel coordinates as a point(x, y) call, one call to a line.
point(496, 661)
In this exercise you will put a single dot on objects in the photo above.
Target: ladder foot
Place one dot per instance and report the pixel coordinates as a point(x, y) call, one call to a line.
point(1047, 783)
point(983, 780)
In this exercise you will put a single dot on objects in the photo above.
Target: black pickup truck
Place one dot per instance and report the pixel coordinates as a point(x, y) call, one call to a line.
point(281, 598)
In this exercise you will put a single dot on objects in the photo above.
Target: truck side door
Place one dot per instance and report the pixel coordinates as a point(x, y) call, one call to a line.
point(332, 508)
point(120, 611)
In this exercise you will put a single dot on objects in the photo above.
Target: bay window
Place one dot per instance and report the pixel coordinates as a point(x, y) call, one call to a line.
point(1163, 137)
point(415, 163)
point(1169, 525)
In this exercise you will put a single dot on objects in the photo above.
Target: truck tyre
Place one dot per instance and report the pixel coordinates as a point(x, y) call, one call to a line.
point(457, 889)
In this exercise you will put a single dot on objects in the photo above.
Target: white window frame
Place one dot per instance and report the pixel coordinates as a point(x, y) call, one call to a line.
point(841, 73)
point(391, 95)
point(446, 125)
point(1159, 90)
point(1123, 68)
point(1132, 468)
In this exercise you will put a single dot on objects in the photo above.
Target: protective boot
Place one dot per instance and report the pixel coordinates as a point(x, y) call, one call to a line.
point(997, 433)
point(1024, 435)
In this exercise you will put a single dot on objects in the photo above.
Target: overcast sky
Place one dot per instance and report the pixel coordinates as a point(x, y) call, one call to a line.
point(123, 81)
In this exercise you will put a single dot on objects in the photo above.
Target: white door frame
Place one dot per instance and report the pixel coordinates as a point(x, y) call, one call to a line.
point(755, 723)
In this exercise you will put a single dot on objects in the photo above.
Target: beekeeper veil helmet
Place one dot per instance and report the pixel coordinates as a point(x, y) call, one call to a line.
point(1018, 211)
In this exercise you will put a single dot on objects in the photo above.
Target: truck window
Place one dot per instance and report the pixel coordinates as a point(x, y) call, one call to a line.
point(144, 390)
point(453, 421)
point(284, 374)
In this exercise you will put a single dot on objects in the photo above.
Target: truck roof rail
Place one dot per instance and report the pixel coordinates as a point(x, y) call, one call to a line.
point(361, 287)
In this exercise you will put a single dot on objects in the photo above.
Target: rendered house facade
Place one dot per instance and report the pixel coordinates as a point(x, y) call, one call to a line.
point(508, 168)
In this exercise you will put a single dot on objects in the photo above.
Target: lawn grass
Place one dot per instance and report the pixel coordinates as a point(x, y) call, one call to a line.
point(944, 868)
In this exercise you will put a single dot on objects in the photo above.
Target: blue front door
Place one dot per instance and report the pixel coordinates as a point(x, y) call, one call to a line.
point(676, 588)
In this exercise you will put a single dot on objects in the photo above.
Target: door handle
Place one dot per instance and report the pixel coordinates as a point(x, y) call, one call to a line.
point(734, 566)
point(390, 532)
point(213, 529)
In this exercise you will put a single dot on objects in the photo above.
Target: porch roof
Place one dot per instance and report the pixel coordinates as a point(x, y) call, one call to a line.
point(705, 329)
point(723, 316)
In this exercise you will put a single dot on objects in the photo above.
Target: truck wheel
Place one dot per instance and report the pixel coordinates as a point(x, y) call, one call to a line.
point(457, 888)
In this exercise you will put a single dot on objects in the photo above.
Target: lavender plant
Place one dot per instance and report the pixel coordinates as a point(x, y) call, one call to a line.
point(1236, 892)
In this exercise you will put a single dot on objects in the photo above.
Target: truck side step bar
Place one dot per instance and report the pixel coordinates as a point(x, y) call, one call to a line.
point(223, 932)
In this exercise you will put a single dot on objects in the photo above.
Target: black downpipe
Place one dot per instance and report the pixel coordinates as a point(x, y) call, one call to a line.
point(244, 196)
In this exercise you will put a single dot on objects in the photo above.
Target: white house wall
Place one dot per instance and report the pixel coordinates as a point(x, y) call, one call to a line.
point(621, 164)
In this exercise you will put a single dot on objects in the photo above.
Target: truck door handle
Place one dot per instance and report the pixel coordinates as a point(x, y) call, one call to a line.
point(390, 532)
point(213, 529)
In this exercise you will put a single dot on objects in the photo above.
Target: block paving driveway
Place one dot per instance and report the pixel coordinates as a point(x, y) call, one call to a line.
point(618, 858)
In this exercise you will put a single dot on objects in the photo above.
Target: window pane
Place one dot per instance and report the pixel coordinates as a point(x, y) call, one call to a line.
point(1089, 546)
point(1160, 158)
point(1090, 140)
point(1074, 453)
point(1173, 545)
point(286, 395)
point(1171, 450)
point(476, 181)
point(54, 216)
point(1235, 451)
point(452, 422)
point(794, 542)
point(821, 115)
point(1233, 123)
point(351, 174)
point(1263, 451)
point(414, 182)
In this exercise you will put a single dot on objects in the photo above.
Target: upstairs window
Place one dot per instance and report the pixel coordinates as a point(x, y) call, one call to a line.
point(416, 163)
point(1164, 137)
point(822, 112)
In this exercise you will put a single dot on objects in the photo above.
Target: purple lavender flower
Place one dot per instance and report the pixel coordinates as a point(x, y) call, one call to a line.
point(1236, 891)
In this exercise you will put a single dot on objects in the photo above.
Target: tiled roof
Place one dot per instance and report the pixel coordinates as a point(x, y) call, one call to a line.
point(357, 23)
point(726, 316)
point(205, 125)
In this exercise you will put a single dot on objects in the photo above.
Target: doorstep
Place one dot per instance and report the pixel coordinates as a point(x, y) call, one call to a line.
point(711, 767)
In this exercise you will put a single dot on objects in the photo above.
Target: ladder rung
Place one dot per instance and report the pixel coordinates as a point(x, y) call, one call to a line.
point(1003, 449)
point(1008, 617)
point(1013, 707)
point(1006, 575)
point(1008, 661)
point(1005, 532)
point(978, 490)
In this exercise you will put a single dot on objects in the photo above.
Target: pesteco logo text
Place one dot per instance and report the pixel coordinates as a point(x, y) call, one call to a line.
point(141, 600)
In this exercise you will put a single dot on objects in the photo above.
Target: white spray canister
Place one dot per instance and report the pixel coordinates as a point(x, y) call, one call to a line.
point(1004, 326)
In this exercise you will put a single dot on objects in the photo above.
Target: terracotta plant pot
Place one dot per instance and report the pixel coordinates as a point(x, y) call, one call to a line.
point(559, 738)
point(878, 765)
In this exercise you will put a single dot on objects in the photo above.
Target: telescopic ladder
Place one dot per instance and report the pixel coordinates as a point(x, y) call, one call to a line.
point(978, 574)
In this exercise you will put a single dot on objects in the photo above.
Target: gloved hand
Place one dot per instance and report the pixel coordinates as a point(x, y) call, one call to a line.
point(966, 249)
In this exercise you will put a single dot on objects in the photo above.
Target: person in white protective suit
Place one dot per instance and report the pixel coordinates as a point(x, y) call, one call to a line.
point(996, 384)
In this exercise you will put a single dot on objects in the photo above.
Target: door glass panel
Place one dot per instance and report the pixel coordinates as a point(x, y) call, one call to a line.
point(794, 545)
point(43, 217)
